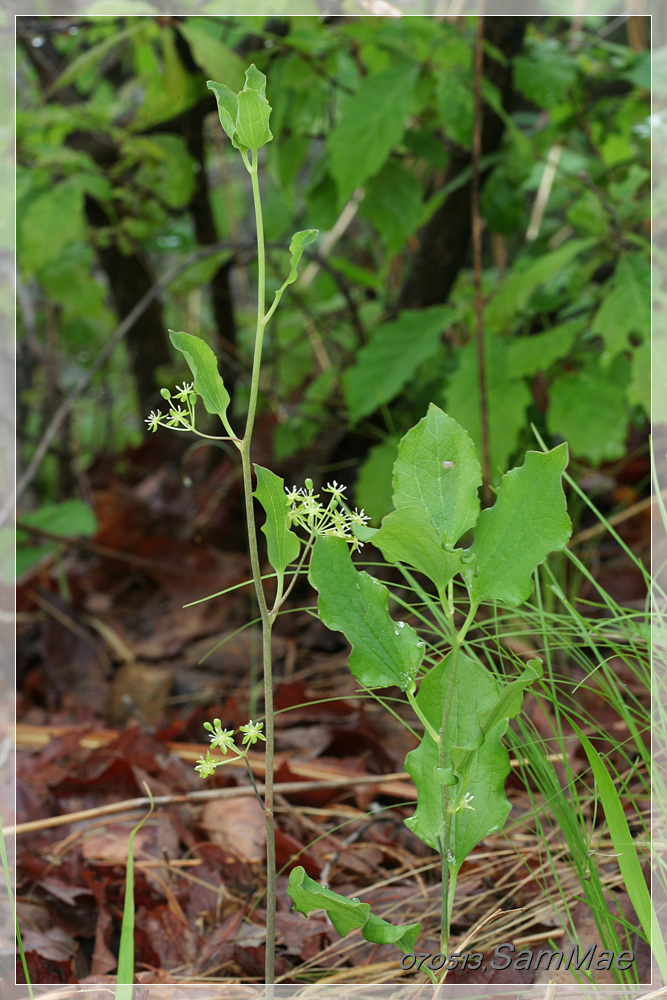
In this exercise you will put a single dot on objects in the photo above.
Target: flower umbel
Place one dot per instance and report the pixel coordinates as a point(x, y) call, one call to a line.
point(221, 738)
point(179, 418)
point(252, 732)
point(207, 765)
point(308, 512)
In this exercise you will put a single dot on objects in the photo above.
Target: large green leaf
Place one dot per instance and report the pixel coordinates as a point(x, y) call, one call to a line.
point(437, 470)
point(372, 122)
point(391, 358)
point(384, 652)
point(527, 522)
point(348, 914)
point(204, 367)
point(408, 536)
point(473, 692)
point(589, 410)
point(283, 546)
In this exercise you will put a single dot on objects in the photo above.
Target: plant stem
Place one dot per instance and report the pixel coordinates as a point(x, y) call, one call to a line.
point(449, 867)
point(266, 617)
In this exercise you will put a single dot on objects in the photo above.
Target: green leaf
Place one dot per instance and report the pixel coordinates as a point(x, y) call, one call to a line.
point(639, 389)
point(448, 492)
point(546, 72)
point(165, 167)
point(214, 58)
point(228, 107)
point(125, 974)
point(297, 245)
point(509, 704)
point(588, 409)
point(69, 518)
point(348, 914)
point(372, 122)
point(506, 400)
point(384, 652)
point(515, 292)
point(392, 356)
point(51, 221)
point(408, 536)
point(374, 482)
point(528, 355)
point(91, 56)
point(626, 307)
point(252, 123)
point(283, 546)
point(473, 691)
point(527, 522)
point(204, 367)
point(245, 116)
point(394, 204)
point(624, 846)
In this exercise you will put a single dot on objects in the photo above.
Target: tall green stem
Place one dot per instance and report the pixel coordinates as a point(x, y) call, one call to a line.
point(449, 872)
point(266, 616)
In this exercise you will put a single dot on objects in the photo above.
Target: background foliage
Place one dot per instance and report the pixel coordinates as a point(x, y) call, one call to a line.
point(124, 174)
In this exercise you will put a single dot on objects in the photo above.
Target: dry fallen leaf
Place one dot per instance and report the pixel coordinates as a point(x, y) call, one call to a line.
point(236, 825)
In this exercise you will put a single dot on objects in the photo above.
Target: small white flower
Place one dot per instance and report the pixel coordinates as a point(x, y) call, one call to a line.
point(185, 392)
point(337, 491)
point(153, 420)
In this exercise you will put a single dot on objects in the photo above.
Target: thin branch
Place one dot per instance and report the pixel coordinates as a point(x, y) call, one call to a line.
point(477, 257)
point(130, 805)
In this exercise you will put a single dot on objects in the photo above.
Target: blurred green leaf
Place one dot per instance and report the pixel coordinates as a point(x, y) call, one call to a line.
point(589, 409)
point(392, 356)
point(371, 122)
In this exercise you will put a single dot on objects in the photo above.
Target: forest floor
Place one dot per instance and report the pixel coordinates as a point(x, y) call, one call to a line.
point(116, 677)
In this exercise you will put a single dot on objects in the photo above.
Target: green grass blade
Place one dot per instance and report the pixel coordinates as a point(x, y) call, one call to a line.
point(8, 883)
point(628, 861)
point(125, 976)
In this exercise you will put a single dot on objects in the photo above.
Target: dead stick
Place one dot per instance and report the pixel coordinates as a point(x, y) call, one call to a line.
point(143, 802)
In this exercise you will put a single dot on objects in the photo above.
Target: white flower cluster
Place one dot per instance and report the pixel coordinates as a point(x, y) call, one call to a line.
point(307, 512)
point(178, 418)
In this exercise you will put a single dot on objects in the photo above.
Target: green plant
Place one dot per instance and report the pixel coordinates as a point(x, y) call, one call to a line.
point(453, 556)
point(245, 119)
point(461, 764)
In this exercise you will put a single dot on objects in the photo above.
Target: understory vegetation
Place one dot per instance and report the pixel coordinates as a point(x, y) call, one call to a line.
point(468, 282)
